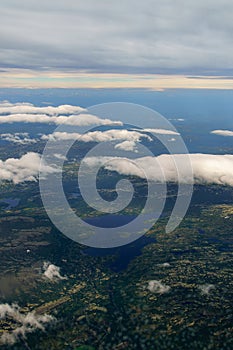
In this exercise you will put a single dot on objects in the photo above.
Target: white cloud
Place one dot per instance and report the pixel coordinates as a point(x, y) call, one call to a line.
point(98, 136)
point(27, 113)
point(207, 168)
point(206, 288)
point(177, 119)
point(24, 323)
point(23, 169)
point(28, 108)
point(172, 139)
point(160, 131)
point(52, 272)
point(21, 138)
point(166, 264)
point(129, 146)
point(157, 287)
point(222, 132)
point(75, 120)
point(60, 156)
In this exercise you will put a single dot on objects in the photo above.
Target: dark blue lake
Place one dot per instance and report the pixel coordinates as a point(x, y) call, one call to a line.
point(12, 202)
point(122, 255)
point(110, 220)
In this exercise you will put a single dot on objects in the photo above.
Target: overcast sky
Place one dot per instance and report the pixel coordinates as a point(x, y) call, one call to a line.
point(125, 36)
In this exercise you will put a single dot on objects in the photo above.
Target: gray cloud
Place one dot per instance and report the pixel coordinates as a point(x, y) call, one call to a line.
point(147, 36)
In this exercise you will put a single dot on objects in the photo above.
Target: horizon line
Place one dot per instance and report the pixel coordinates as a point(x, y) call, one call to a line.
point(32, 79)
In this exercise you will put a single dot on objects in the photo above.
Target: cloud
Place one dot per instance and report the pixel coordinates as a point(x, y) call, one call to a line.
point(98, 136)
point(160, 131)
point(207, 168)
point(222, 132)
point(75, 120)
point(177, 119)
point(154, 36)
point(24, 323)
point(157, 287)
point(166, 264)
point(129, 146)
point(27, 113)
point(28, 108)
point(23, 169)
point(206, 288)
point(129, 138)
point(24, 78)
point(52, 272)
point(60, 156)
point(172, 139)
point(21, 138)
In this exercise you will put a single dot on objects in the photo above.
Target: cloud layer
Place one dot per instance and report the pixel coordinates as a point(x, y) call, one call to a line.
point(207, 168)
point(28, 113)
point(128, 138)
point(151, 36)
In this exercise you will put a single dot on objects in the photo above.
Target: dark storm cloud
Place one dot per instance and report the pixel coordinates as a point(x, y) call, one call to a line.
point(125, 36)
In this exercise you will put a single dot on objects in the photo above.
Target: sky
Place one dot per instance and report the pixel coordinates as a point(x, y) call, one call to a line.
point(153, 44)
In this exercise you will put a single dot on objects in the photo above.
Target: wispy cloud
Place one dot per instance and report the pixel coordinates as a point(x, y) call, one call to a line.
point(160, 131)
point(206, 288)
point(24, 323)
point(21, 138)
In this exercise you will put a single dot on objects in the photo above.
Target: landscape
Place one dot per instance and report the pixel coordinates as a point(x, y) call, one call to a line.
point(116, 175)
